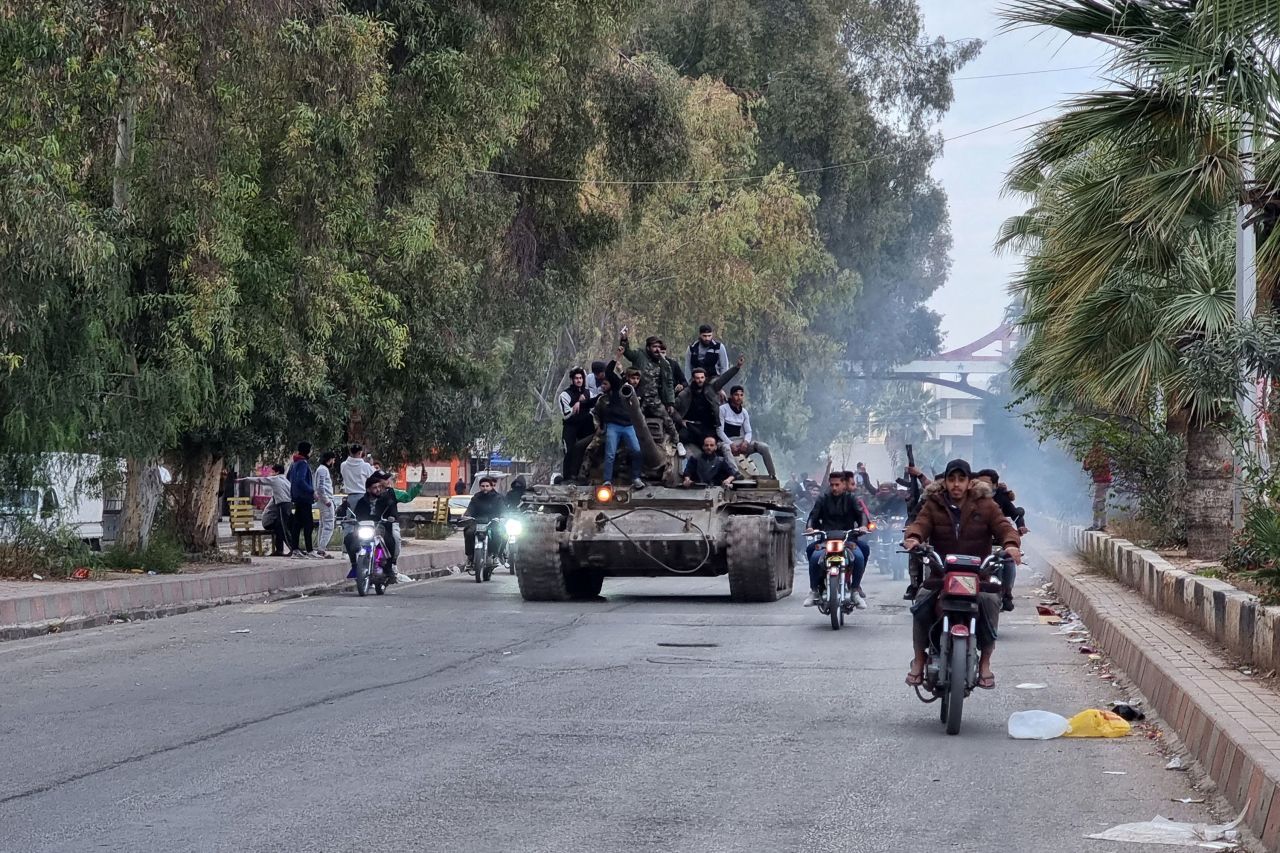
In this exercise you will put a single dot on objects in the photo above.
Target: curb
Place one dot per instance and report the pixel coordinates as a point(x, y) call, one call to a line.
point(1246, 772)
point(161, 597)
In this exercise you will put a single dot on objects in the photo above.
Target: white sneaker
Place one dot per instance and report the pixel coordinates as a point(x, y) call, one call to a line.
point(814, 595)
point(680, 450)
point(859, 602)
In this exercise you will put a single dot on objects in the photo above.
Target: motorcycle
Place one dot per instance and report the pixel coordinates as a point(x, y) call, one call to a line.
point(951, 666)
point(885, 547)
point(838, 600)
point(488, 557)
point(371, 558)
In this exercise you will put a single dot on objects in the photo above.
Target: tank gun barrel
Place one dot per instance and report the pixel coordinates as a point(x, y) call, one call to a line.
point(649, 450)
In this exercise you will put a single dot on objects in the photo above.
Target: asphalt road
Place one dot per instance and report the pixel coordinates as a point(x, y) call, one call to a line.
point(455, 717)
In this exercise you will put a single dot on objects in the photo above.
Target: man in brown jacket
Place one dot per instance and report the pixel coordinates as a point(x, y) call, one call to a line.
point(959, 516)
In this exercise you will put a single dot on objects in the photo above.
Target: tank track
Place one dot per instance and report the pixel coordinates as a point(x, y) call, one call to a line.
point(752, 558)
point(538, 565)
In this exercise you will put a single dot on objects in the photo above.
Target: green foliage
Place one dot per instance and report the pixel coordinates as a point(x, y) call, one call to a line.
point(1256, 549)
point(35, 549)
point(163, 555)
point(1146, 461)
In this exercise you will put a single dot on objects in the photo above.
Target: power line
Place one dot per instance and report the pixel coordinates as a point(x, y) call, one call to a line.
point(741, 178)
point(1025, 73)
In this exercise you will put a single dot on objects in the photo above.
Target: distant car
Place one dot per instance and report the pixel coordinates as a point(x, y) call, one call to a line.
point(458, 507)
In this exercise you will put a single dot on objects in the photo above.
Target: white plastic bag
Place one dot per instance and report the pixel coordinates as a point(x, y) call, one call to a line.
point(1161, 830)
point(1037, 725)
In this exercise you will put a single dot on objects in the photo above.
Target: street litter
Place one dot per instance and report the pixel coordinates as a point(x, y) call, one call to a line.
point(1088, 650)
point(37, 577)
point(1189, 800)
point(1032, 686)
point(241, 631)
point(80, 573)
point(1095, 723)
point(1037, 725)
point(403, 578)
point(1175, 763)
point(1114, 773)
point(1127, 711)
point(1095, 656)
point(1077, 639)
point(1161, 830)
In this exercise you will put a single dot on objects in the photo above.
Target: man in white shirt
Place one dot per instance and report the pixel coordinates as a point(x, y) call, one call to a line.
point(735, 430)
point(355, 472)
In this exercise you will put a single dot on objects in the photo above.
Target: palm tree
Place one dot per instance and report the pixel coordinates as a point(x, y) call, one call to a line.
point(905, 413)
point(1130, 235)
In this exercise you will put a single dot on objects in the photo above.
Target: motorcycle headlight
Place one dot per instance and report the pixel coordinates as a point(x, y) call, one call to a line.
point(514, 527)
point(365, 533)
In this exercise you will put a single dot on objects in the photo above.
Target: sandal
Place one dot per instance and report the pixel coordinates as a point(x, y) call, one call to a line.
point(915, 679)
point(987, 682)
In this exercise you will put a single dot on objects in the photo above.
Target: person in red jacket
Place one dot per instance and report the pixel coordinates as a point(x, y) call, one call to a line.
point(1097, 463)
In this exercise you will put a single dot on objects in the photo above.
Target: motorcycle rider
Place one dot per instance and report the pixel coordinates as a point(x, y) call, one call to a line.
point(958, 516)
point(355, 471)
point(735, 430)
point(1004, 499)
point(485, 506)
point(377, 503)
point(836, 511)
point(708, 467)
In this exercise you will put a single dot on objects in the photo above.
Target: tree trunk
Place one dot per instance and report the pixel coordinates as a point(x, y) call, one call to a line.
point(143, 488)
point(1208, 502)
point(197, 512)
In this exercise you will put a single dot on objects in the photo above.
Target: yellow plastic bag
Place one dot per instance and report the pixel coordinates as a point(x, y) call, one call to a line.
point(1095, 723)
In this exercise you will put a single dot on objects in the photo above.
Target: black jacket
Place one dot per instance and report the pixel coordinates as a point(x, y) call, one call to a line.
point(833, 513)
point(486, 507)
point(382, 509)
point(712, 472)
point(1004, 499)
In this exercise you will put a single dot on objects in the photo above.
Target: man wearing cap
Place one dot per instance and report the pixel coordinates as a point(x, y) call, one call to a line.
point(959, 516)
point(657, 388)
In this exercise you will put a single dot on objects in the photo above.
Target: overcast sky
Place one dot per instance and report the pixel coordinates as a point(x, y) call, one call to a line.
point(972, 169)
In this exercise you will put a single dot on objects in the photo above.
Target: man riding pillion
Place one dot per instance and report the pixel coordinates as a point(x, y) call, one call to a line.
point(959, 517)
point(836, 511)
point(485, 506)
point(377, 503)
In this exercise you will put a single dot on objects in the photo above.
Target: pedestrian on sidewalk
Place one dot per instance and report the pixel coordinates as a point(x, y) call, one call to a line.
point(460, 487)
point(303, 492)
point(324, 497)
point(1098, 464)
point(355, 471)
point(278, 513)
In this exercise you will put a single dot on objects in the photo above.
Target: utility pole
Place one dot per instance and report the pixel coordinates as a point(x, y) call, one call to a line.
point(1246, 306)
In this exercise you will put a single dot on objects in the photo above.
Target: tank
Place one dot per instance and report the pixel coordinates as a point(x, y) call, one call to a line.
point(576, 536)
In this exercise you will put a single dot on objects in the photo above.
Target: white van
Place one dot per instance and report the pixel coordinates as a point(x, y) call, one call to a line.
point(66, 492)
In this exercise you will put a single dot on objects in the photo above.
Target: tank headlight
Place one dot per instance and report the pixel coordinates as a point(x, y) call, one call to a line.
point(604, 494)
point(514, 527)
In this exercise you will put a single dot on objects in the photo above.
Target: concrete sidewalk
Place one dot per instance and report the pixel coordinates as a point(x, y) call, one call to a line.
point(39, 607)
point(1228, 721)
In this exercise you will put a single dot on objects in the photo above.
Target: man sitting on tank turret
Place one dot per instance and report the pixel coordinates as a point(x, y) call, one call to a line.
point(709, 467)
point(735, 430)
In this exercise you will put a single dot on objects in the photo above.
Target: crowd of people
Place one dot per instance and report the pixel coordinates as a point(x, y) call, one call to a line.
point(302, 491)
point(693, 401)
